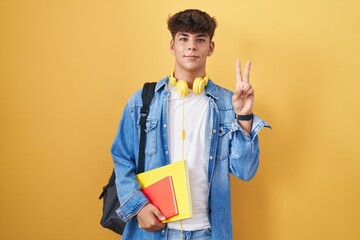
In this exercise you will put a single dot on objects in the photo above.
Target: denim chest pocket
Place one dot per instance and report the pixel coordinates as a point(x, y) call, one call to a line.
point(223, 150)
point(151, 141)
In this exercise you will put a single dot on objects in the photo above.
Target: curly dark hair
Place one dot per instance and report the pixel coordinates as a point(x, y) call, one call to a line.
point(192, 21)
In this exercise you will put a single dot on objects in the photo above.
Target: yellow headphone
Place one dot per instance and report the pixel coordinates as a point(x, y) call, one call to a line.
point(182, 87)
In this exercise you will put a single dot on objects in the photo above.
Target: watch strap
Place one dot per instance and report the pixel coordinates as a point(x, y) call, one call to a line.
point(244, 117)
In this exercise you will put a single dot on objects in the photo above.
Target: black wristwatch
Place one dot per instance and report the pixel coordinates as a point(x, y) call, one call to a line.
point(244, 117)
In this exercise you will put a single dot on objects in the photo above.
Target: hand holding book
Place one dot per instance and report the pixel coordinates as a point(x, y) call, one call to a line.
point(149, 218)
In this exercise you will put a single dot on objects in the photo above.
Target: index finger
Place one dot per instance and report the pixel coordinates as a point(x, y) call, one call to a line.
point(238, 71)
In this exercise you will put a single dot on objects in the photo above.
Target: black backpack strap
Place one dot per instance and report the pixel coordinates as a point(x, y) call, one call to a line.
point(147, 95)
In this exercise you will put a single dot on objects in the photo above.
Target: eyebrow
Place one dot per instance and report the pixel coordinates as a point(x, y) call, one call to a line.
point(183, 35)
point(187, 35)
point(202, 35)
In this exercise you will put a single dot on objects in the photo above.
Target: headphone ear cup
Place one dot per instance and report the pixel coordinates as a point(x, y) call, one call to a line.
point(199, 85)
point(182, 88)
point(172, 80)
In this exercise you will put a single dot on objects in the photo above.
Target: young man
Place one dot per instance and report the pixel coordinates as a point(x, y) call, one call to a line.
point(221, 138)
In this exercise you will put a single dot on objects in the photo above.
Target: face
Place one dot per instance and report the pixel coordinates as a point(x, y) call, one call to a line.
point(191, 51)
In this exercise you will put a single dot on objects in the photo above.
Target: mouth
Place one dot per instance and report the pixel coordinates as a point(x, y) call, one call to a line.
point(192, 57)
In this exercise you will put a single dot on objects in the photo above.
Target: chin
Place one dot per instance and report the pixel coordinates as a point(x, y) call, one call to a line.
point(193, 67)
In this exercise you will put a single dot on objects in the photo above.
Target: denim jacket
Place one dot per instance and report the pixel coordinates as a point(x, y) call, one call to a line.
point(230, 150)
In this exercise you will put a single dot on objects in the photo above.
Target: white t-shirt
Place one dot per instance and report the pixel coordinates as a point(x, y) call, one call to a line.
point(195, 112)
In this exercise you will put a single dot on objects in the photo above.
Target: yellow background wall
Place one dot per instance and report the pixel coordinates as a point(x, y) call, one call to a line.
point(67, 68)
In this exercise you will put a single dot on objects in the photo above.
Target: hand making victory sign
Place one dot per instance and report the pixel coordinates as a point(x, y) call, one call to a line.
point(243, 98)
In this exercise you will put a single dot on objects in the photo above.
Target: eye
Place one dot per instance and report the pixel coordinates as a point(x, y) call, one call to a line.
point(183, 39)
point(201, 40)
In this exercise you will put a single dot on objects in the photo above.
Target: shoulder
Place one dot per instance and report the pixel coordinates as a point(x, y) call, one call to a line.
point(136, 99)
point(221, 95)
point(224, 92)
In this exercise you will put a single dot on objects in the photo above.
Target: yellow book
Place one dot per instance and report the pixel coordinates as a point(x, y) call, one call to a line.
point(180, 177)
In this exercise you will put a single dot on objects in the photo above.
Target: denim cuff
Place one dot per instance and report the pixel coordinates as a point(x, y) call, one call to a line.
point(132, 206)
point(257, 125)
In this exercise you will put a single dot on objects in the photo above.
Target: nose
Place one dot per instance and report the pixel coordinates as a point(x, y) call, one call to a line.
point(192, 45)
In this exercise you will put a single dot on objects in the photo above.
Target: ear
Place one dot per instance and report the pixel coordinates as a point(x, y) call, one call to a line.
point(172, 47)
point(211, 48)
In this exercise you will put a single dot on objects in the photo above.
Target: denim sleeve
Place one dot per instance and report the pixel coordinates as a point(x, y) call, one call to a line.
point(244, 149)
point(132, 200)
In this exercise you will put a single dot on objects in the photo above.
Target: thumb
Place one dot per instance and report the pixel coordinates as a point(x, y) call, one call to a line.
point(158, 214)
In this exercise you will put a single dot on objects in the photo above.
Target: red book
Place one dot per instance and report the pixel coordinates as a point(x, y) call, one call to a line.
point(162, 195)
